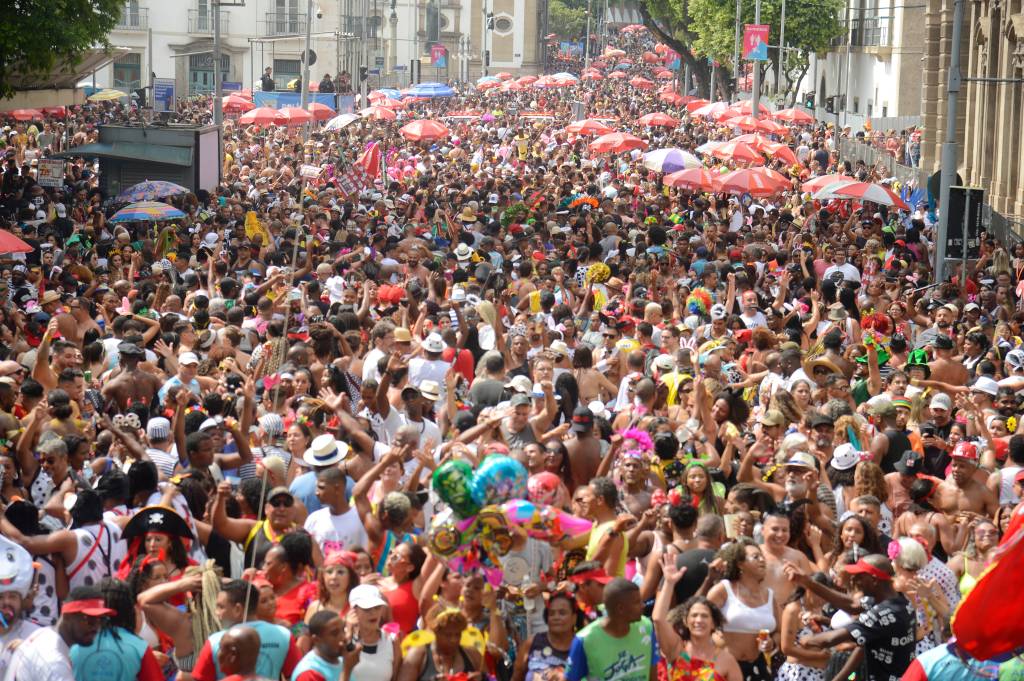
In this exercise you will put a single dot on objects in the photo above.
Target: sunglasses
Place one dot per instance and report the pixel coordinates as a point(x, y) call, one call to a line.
point(282, 502)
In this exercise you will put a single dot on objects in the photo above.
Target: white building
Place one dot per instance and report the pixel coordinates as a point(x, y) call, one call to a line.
point(175, 39)
point(874, 70)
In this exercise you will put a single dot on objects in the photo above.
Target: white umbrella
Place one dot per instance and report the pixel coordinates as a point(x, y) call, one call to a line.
point(339, 122)
point(670, 160)
point(861, 191)
point(708, 147)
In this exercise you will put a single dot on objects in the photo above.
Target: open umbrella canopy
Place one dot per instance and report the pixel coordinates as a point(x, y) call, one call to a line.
point(588, 126)
point(384, 93)
point(390, 103)
point(25, 114)
point(862, 191)
point(759, 142)
point(431, 90)
point(151, 191)
point(738, 151)
point(821, 181)
point(664, 75)
point(55, 111)
point(235, 104)
point(744, 123)
point(263, 116)
point(489, 85)
point(696, 179)
point(658, 119)
point(147, 211)
point(321, 112)
point(107, 95)
point(709, 110)
point(726, 114)
point(424, 129)
point(503, 75)
point(775, 176)
point(670, 160)
point(526, 80)
point(617, 75)
point(378, 113)
point(673, 98)
point(342, 121)
point(781, 152)
point(293, 116)
point(651, 58)
point(12, 244)
point(751, 181)
point(614, 53)
point(695, 104)
point(642, 83)
point(793, 115)
point(616, 143)
point(592, 75)
point(746, 107)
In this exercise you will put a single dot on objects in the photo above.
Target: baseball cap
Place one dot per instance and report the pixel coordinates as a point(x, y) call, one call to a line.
point(278, 491)
point(518, 400)
point(965, 450)
point(862, 567)
point(909, 463)
point(520, 384)
point(819, 419)
point(772, 417)
point(188, 358)
point(93, 607)
point(158, 428)
point(984, 384)
point(366, 596)
point(941, 401)
point(801, 459)
point(582, 419)
point(1020, 476)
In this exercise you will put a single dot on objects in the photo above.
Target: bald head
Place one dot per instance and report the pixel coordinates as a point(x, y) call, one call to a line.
point(239, 650)
point(925, 532)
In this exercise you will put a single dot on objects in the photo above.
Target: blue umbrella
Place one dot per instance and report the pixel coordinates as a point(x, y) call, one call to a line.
point(431, 90)
point(389, 92)
point(670, 160)
point(623, 67)
point(151, 191)
point(487, 79)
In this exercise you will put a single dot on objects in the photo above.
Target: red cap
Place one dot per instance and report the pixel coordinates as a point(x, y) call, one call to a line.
point(93, 607)
point(597, 575)
point(965, 450)
point(862, 567)
point(1020, 476)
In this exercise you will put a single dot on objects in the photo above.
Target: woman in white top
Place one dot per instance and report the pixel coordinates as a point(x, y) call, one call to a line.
point(379, 655)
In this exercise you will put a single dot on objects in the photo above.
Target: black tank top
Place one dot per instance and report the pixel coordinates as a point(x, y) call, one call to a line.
point(430, 672)
point(898, 443)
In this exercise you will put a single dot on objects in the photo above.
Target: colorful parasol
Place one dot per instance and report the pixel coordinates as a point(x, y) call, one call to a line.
point(151, 190)
point(147, 211)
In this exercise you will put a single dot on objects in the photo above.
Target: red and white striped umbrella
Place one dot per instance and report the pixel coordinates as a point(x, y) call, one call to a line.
point(759, 142)
point(781, 152)
point(642, 83)
point(321, 112)
point(378, 113)
point(658, 119)
point(794, 115)
point(751, 181)
point(862, 191)
point(616, 143)
point(697, 179)
point(814, 184)
point(295, 116)
point(738, 151)
point(264, 116)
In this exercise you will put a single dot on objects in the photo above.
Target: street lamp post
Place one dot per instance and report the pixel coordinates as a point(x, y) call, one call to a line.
point(949, 150)
point(736, 49)
point(305, 57)
point(755, 94)
point(586, 43)
point(218, 111)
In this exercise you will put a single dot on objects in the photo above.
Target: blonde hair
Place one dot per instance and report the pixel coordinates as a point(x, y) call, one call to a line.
point(912, 556)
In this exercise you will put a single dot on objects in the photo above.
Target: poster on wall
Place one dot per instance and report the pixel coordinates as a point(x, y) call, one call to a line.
point(50, 172)
point(163, 94)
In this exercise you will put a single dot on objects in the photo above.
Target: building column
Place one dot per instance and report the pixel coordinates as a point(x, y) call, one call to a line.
point(932, 97)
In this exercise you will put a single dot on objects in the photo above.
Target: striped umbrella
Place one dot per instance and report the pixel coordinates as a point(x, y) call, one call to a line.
point(147, 211)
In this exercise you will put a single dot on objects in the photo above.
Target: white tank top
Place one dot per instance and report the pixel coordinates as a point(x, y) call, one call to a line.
point(1006, 495)
point(44, 605)
point(378, 666)
point(100, 552)
point(740, 618)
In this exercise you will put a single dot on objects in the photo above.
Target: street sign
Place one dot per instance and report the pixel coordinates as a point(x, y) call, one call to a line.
point(231, 86)
point(163, 94)
point(401, 67)
point(373, 72)
point(50, 172)
point(378, 61)
point(755, 42)
point(965, 215)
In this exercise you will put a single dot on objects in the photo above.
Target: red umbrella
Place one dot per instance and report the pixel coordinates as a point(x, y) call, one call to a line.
point(771, 127)
point(695, 104)
point(617, 75)
point(775, 176)
point(738, 151)
point(588, 127)
point(504, 75)
point(321, 112)
point(263, 116)
point(12, 244)
point(488, 85)
point(659, 119)
point(617, 142)
point(726, 114)
point(673, 98)
point(424, 129)
point(26, 114)
point(514, 85)
point(750, 181)
point(661, 48)
point(527, 80)
point(863, 191)
point(55, 111)
point(651, 58)
point(709, 110)
point(699, 179)
point(592, 76)
point(390, 103)
point(664, 75)
point(642, 83)
point(599, 65)
point(378, 113)
point(793, 115)
point(232, 104)
point(782, 152)
point(821, 181)
point(293, 115)
point(746, 107)
point(744, 123)
point(757, 141)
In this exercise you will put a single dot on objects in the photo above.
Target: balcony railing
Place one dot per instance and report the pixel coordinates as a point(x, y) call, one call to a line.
point(871, 32)
point(201, 23)
point(284, 23)
point(133, 19)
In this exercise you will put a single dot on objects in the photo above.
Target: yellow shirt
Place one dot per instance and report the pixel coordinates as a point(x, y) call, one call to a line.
point(596, 533)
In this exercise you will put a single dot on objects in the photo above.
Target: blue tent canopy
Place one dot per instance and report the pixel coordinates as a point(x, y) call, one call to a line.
point(431, 90)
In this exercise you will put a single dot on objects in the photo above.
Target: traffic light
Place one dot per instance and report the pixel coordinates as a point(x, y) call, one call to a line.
point(363, 72)
point(809, 100)
point(830, 104)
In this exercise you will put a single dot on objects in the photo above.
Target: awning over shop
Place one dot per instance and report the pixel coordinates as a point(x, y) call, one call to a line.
point(153, 153)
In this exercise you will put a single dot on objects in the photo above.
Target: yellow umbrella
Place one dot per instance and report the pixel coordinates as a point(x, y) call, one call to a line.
point(107, 95)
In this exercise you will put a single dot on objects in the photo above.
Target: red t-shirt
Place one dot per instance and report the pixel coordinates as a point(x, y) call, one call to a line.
point(150, 669)
point(463, 364)
point(291, 606)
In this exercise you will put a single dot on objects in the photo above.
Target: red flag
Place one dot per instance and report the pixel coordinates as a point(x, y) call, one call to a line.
point(987, 622)
point(370, 160)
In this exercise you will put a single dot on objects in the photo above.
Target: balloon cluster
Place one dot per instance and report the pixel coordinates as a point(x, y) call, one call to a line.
point(486, 506)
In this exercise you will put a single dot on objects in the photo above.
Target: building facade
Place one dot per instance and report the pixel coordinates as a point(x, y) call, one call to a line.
point(175, 40)
point(991, 110)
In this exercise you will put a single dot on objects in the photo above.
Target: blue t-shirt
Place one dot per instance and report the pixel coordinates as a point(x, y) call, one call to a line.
point(109, 657)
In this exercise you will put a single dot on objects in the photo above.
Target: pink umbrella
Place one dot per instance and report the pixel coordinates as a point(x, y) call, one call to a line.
point(296, 116)
point(321, 112)
point(616, 143)
point(617, 75)
point(263, 116)
point(642, 83)
point(664, 75)
point(661, 48)
point(526, 80)
point(793, 115)
point(821, 181)
point(378, 113)
point(588, 126)
point(698, 179)
point(738, 151)
point(672, 98)
point(750, 181)
point(658, 119)
point(390, 103)
point(424, 129)
point(651, 58)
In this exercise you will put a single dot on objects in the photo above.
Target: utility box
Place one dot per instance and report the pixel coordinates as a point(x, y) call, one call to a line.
point(188, 155)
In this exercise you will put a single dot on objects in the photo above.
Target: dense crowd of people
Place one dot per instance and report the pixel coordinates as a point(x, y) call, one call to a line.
point(515, 409)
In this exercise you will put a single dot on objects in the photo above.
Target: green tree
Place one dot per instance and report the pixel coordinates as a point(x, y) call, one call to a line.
point(567, 21)
point(669, 21)
point(38, 35)
point(810, 27)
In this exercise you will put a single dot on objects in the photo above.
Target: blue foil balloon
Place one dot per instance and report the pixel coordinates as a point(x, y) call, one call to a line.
point(497, 480)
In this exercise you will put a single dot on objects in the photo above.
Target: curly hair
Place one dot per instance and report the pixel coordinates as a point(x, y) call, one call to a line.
point(677, 615)
point(733, 555)
point(868, 479)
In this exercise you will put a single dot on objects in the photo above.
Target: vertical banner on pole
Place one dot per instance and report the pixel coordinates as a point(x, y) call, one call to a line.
point(439, 56)
point(755, 42)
